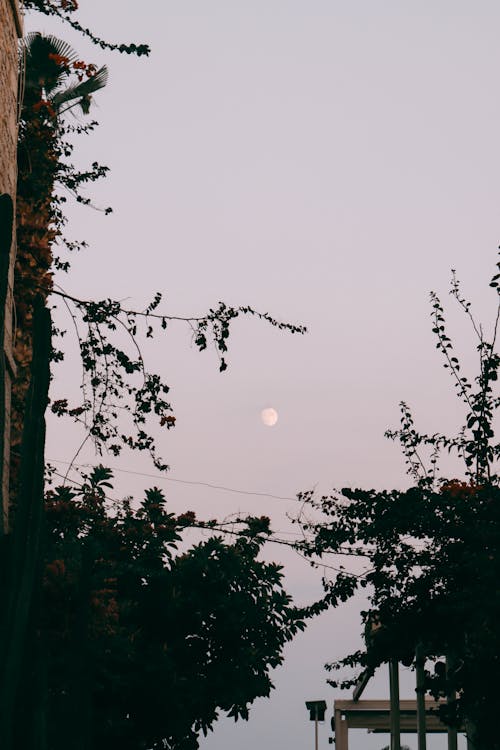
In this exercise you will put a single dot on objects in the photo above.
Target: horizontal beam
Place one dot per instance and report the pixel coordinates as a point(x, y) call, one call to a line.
point(377, 704)
point(374, 715)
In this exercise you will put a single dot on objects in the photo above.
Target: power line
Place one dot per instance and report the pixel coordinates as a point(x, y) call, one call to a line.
point(275, 540)
point(219, 529)
point(185, 481)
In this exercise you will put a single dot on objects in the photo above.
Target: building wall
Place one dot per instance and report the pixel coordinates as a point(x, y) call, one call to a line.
point(10, 31)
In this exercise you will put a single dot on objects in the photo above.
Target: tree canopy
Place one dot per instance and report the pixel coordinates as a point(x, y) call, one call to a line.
point(430, 554)
point(153, 641)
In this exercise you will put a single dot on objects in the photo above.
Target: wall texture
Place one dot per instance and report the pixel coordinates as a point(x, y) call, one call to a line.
point(10, 31)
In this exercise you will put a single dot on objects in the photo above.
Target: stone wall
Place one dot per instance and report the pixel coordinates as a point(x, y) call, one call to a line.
point(10, 31)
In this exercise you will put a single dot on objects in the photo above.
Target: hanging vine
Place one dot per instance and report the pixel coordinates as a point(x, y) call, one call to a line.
point(116, 383)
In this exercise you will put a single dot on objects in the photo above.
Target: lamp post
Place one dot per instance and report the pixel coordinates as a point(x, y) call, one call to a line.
point(316, 713)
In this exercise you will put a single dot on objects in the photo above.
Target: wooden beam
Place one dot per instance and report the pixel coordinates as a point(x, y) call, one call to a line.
point(364, 679)
point(374, 715)
point(395, 715)
point(420, 690)
point(341, 730)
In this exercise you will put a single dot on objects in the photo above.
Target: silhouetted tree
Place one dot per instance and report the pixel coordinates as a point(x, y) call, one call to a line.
point(145, 644)
point(431, 553)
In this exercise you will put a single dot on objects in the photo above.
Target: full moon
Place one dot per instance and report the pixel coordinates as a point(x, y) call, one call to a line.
point(269, 417)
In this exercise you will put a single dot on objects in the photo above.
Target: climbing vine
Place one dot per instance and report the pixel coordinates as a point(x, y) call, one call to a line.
point(64, 10)
point(54, 79)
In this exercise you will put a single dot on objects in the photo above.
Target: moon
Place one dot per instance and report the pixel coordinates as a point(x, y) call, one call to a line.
point(269, 417)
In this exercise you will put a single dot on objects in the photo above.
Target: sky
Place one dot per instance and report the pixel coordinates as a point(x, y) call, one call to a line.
point(326, 162)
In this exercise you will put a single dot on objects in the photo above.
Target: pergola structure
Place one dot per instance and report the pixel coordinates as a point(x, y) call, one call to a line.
point(375, 716)
point(391, 716)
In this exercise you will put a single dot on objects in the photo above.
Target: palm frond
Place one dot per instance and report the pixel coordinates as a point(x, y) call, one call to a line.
point(39, 53)
point(81, 91)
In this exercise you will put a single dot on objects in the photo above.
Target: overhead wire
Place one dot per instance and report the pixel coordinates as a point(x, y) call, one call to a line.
point(272, 539)
point(192, 482)
point(218, 528)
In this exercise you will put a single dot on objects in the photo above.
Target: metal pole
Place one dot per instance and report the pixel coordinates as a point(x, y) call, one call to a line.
point(316, 730)
point(420, 664)
point(394, 694)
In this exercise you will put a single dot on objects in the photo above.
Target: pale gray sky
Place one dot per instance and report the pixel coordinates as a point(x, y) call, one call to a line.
point(328, 162)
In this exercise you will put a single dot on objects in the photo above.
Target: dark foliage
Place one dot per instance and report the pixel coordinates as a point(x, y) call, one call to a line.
point(146, 644)
point(431, 554)
point(53, 80)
